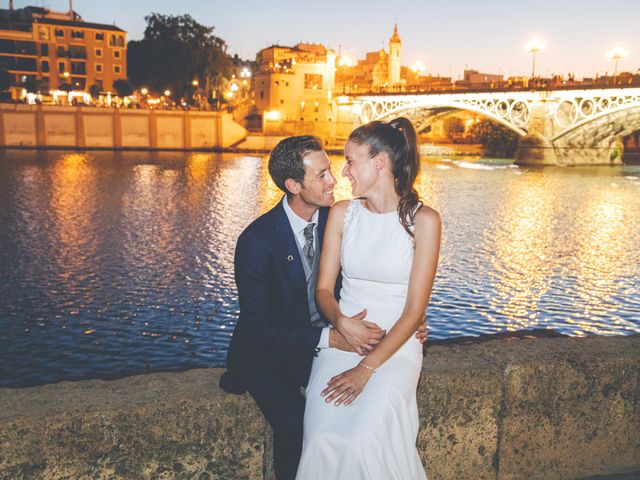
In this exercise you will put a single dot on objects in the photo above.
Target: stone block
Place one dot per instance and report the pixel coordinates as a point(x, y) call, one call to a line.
point(571, 407)
point(459, 401)
point(156, 426)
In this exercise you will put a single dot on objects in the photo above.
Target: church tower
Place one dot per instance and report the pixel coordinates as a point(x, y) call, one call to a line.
point(395, 45)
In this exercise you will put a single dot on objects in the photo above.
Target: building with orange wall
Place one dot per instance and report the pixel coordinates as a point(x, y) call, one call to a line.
point(56, 48)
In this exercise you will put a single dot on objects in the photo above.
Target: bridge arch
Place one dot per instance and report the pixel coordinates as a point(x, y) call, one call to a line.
point(512, 114)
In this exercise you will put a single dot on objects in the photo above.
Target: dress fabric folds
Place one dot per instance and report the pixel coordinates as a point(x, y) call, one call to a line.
point(375, 436)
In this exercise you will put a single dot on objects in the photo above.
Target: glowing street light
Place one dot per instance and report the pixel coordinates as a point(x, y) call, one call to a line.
point(66, 74)
point(345, 61)
point(195, 83)
point(615, 54)
point(167, 93)
point(245, 73)
point(144, 91)
point(418, 68)
point(534, 46)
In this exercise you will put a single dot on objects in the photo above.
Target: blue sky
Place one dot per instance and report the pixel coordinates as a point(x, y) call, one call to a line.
point(447, 37)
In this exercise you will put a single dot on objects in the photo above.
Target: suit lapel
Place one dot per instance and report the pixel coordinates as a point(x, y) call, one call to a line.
point(289, 248)
point(323, 214)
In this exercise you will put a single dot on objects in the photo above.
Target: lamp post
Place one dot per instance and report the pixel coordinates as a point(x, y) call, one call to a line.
point(615, 54)
point(534, 46)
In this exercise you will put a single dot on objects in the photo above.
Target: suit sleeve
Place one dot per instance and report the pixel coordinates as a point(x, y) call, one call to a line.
point(253, 279)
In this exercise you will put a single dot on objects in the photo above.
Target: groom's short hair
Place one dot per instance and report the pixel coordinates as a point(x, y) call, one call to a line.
point(286, 159)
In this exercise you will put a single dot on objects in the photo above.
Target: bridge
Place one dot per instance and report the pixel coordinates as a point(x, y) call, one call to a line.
point(563, 127)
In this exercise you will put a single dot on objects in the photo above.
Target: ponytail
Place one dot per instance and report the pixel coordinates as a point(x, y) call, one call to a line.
point(398, 140)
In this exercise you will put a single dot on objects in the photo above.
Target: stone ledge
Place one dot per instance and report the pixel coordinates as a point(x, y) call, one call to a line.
point(557, 408)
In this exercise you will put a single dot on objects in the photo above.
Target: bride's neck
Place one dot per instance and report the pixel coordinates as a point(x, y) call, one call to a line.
point(382, 200)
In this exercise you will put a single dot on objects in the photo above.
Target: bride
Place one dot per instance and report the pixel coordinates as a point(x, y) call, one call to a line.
point(361, 417)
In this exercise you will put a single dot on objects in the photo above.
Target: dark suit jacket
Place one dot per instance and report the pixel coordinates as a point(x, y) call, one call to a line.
point(274, 333)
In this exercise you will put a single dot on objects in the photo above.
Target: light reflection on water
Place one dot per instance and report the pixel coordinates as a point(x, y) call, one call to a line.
point(120, 263)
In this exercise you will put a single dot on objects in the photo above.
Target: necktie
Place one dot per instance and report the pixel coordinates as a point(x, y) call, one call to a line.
point(308, 250)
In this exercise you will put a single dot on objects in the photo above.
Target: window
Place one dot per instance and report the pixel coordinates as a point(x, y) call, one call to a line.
point(77, 51)
point(312, 81)
point(116, 54)
point(59, 33)
point(277, 83)
point(112, 41)
point(261, 95)
point(281, 102)
point(44, 49)
point(286, 84)
point(98, 52)
point(77, 34)
point(98, 68)
point(116, 69)
point(24, 64)
point(44, 66)
point(78, 68)
point(43, 33)
point(120, 41)
point(62, 67)
point(61, 51)
point(100, 36)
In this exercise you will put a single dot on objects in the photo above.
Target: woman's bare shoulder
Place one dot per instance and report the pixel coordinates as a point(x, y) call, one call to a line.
point(339, 208)
point(427, 218)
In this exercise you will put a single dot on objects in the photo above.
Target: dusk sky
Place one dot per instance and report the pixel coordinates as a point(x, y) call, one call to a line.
point(446, 37)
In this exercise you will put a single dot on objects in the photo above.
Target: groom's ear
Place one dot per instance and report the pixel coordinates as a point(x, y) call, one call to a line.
point(293, 186)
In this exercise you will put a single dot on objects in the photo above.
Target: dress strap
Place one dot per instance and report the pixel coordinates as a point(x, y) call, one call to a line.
point(352, 211)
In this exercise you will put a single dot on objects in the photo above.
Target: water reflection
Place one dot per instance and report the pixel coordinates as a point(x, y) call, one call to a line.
point(519, 242)
point(603, 246)
point(123, 263)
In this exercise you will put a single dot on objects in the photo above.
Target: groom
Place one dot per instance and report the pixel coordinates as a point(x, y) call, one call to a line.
point(280, 330)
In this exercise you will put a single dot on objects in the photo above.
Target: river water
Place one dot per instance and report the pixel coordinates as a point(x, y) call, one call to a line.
point(120, 263)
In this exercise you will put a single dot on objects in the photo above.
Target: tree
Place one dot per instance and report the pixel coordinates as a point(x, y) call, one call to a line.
point(95, 90)
point(176, 50)
point(453, 127)
point(123, 88)
point(30, 85)
point(496, 139)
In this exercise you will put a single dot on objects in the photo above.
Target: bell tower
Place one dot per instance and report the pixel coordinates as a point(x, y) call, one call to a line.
point(395, 45)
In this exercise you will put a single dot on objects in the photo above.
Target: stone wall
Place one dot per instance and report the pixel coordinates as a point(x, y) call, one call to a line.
point(560, 408)
point(111, 128)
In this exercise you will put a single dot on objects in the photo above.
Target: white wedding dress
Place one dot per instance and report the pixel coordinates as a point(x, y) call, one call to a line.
point(375, 436)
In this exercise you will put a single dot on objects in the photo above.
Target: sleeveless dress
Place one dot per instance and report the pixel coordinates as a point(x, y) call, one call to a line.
point(375, 436)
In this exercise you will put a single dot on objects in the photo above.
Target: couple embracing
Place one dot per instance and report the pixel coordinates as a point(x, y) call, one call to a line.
point(359, 357)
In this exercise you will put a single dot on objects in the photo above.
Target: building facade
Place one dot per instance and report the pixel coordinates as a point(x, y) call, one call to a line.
point(54, 49)
point(295, 83)
point(378, 71)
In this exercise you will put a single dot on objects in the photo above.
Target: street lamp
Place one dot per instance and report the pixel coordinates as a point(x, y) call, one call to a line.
point(418, 68)
point(534, 46)
point(345, 61)
point(195, 83)
point(144, 91)
point(615, 54)
point(167, 93)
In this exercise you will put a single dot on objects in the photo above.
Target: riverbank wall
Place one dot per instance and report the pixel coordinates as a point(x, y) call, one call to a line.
point(543, 408)
point(48, 126)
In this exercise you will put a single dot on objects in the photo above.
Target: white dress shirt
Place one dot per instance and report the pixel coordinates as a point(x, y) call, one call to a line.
point(298, 225)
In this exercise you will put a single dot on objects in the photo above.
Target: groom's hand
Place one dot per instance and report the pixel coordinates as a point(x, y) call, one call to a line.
point(421, 333)
point(363, 336)
point(336, 340)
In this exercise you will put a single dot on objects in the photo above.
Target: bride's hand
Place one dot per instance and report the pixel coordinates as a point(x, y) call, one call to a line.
point(363, 336)
point(346, 387)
